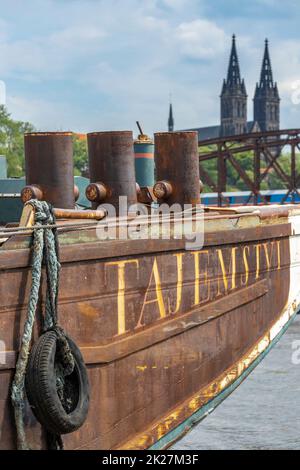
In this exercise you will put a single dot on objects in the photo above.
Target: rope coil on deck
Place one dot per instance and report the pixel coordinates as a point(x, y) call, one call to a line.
point(45, 248)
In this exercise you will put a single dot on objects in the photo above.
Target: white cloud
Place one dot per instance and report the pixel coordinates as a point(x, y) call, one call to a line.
point(176, 4)
point(201, 39)
point(77, 36)
point(286, 70)
point(103, 64)
point(151, 23)
point(46, 115)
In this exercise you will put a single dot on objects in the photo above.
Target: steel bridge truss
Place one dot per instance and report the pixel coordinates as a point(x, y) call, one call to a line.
point(264, 147)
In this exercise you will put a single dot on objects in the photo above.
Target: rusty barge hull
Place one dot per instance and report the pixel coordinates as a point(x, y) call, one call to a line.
point(166, 333)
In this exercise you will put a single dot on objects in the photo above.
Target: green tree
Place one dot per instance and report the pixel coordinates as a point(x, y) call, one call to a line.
point(12, 145)
point(12, 142)
point(245, 159)
point(80, 155)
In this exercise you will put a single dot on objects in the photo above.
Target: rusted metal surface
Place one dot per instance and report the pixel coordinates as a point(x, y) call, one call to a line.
point(111, 163)
point(49, 166)
point(163, 190)
point(35, 192)
point(146, 195)
point(78, 214)
point(177, 168)
point(264, 147)
point(96, 192)
point(65, 214)
point(163, 322)
point(89, 249)
point(163, 329)
point(31, 192)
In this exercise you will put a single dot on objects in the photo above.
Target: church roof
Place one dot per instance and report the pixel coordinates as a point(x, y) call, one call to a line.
point(213, 132)
point(209, 132)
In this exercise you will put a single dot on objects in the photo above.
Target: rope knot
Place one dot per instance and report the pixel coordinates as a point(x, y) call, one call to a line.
point(43, 212)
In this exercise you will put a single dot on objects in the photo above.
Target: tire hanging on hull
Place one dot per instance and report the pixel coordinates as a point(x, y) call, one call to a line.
point(58, 394)
point(54, 371)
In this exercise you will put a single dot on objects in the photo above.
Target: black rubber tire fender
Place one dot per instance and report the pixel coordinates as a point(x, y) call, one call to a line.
point(40, 383)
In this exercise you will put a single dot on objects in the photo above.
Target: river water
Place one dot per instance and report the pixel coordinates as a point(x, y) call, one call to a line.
point(263, 412)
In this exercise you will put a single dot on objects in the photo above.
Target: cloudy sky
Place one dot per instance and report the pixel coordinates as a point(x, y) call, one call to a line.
point(86, 65)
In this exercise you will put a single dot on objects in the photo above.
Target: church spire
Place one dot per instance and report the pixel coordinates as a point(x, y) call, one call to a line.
point(171, 119)
point(233, 74)
point(266, 75)
point(233, 98)
point(266, 97)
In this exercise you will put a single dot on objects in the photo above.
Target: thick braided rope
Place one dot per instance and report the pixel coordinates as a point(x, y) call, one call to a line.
point(52, 271)
point(43, 216)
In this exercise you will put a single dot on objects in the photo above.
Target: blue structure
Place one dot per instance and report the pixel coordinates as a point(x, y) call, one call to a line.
point(11, 205)
point(10, 202)
point(82, 184)
point(272, 196)
point(144, 162)
point(3, 167)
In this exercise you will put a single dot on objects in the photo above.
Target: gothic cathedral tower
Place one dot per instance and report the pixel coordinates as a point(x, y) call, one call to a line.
point(233, 98)
point(266, 98)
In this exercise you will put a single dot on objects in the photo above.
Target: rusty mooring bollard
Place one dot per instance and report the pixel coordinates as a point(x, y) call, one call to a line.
point(112, 172)
point(49, 168)
point(177, 167)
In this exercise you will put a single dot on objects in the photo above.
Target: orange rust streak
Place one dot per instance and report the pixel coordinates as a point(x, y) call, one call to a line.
point(87, 310)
